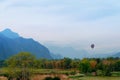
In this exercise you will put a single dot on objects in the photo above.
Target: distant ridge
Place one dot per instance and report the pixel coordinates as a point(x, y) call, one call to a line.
point(116, 55)
point(11, 43)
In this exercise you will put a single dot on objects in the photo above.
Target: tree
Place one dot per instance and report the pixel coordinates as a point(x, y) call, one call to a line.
point(67, 63)
point(93, 64)
point(84, 66)
point(74, 64)
point(117, 66)
point(23, 62)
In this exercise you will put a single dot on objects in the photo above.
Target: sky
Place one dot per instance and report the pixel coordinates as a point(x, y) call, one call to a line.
point(77, 23)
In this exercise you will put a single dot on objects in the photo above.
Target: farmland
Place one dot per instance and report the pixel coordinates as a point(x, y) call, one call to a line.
point(96, 78)
point(40, 74)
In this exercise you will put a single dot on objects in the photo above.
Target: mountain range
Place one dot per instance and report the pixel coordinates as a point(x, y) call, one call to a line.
point(116, 55)
point(71, 52)
point(67, 51)
point(11, 43)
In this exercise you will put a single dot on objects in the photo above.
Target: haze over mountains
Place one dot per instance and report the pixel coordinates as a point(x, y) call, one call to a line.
point(12, 43)
point(67, 51)
point(71, 52)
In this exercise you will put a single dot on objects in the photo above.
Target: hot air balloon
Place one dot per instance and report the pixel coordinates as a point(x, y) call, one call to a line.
point(92, 46)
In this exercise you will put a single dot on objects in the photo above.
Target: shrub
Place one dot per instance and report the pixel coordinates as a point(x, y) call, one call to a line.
point(73, 73)
point(107, 73)
point(50, 78)
point(99, 72)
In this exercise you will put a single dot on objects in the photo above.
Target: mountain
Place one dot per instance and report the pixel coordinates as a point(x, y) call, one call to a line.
point(8, 33)
point(116, 55)
point(71, 52)
point(67, 51)
point(11, 43)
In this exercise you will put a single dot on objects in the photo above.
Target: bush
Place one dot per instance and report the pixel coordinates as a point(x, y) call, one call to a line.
point(107, 73)
point(115, 74)
point(72, 73)
point(50, 78)
point(99, 73)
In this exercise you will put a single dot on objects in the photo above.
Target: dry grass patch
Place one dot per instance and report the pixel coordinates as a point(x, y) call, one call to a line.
point(42, 77)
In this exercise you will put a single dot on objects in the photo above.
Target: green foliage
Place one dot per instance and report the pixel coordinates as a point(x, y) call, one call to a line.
point(76, 76)
point(107, 72)
point(84, 66)
point(19, 66)
point(115, 74)
point(2, 64)
point(99, 73)
point(96, 78)
point(67, 63)
point(24, 61)
point(117, 66)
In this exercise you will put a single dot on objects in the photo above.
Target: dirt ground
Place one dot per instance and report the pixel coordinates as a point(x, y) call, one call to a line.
point(42, 77)
point(3, 78)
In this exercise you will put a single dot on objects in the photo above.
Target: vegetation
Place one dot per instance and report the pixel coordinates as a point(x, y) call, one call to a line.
point(50, 78)
point(96, 78)
point(19, 66)
point(23, 65)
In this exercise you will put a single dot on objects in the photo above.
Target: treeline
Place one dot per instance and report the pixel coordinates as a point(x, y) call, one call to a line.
point(98, 66)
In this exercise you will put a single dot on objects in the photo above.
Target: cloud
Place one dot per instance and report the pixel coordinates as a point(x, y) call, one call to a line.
point(72, 10)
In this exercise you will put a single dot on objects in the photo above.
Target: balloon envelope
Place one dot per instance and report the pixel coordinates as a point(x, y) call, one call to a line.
point(92, 46)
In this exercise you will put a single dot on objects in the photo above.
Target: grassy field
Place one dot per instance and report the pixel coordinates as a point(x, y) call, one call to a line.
point(40, 74)
point(96, 78)
point(43, 71)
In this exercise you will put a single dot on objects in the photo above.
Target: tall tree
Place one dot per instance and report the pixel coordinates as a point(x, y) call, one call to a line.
point(22, 61)
point(84, 66)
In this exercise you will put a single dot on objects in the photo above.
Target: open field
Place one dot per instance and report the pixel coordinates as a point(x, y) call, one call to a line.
point(43, 71)
point(97, 78)
point(40, 74)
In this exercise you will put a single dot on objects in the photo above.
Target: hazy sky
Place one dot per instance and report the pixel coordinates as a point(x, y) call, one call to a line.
point(64, 21)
